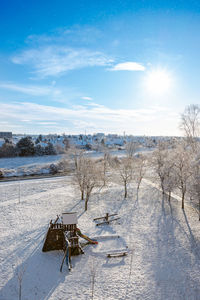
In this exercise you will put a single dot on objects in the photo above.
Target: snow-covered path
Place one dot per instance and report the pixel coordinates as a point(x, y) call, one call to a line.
point(163, 260)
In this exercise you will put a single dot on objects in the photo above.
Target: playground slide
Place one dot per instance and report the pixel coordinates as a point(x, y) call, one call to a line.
point(86, 237)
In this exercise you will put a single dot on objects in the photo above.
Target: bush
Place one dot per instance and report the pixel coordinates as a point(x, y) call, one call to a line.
point(63, 165)
point(53, 169)
point(7, 150)
point(1, 174)
point(49, 149)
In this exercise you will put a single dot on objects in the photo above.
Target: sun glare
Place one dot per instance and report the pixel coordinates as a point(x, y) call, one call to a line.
point(158, 82)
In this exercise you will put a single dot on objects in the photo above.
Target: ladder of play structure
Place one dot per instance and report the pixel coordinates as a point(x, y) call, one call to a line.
point(67, 255)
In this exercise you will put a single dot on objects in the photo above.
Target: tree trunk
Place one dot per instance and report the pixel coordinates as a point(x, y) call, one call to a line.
point(163, 189)
point(125, 190)
point(183, 198)
point(86, 202)
point(199, 208)
point(138, 186)
point(82, 195)
point(104, 173)
point(169, 196)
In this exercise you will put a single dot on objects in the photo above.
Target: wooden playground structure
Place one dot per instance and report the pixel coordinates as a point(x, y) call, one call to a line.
point(63, 234)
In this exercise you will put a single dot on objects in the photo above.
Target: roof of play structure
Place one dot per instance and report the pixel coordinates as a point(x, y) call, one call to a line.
point(69, 218)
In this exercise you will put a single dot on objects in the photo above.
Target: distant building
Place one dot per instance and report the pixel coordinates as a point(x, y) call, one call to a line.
point(5, 135)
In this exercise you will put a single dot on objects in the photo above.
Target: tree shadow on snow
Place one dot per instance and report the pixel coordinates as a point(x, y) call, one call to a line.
point(172, 251)
point(41, 276)
point(193, 242)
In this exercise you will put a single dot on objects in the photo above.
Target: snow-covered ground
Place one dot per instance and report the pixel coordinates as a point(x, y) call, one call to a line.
point(23, 166)
point(163, 260)
point(38, 165)
point(16, 162)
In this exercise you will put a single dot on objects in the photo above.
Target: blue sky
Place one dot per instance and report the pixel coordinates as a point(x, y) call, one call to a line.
point(98, 66)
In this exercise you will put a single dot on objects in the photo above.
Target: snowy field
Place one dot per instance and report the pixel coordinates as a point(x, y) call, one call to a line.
point(39, 165)
point(23, 166)
point(16, 162)
point(163, 260)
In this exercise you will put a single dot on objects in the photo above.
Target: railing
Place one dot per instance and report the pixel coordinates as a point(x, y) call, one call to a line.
point(68, 227)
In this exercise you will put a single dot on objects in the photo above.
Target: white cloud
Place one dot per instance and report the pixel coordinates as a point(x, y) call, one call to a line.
point(55, 60)
point(75, 35)
point(91, 118)
point(128, 66)
point(87, 98)
point(31, 89)
point(47, 123)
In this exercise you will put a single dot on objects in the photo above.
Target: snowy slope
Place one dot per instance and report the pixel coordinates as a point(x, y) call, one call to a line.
point(16, 162)
point(163, 242)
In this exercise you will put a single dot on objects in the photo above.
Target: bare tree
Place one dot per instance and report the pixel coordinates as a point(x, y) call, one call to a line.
point(106, 159)
point(90, 173)
point(139, 170)
point(190, 123)
point(159, 164)
point(87, 175)
point(125, 169)
point(170, 182)
point(131, 148)
point(80, 172)
point(182, 169)
point(194, 186)
point(76, 155)
point(104, 165)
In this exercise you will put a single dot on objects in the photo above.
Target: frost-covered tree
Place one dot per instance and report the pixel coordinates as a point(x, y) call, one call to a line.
point(131, 148)
point(182, 169)
point(194, 184)
point(105, 165)
point(66, 143)
point(159, 163)
point(139, 170)
point(190, 123)
point(87, 176)
point(125, 169)
point(79, 173)
point(92, 178)
point(170, 181)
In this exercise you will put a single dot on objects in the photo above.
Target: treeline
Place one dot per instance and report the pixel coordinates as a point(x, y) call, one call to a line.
point(179, 168)
point(26, 147)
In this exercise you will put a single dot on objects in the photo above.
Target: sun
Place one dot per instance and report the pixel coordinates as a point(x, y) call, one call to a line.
point(158, 82)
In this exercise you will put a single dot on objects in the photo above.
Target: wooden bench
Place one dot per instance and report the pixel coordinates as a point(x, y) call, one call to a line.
point(107, 216)
point(107, 222)
point(117, 254)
